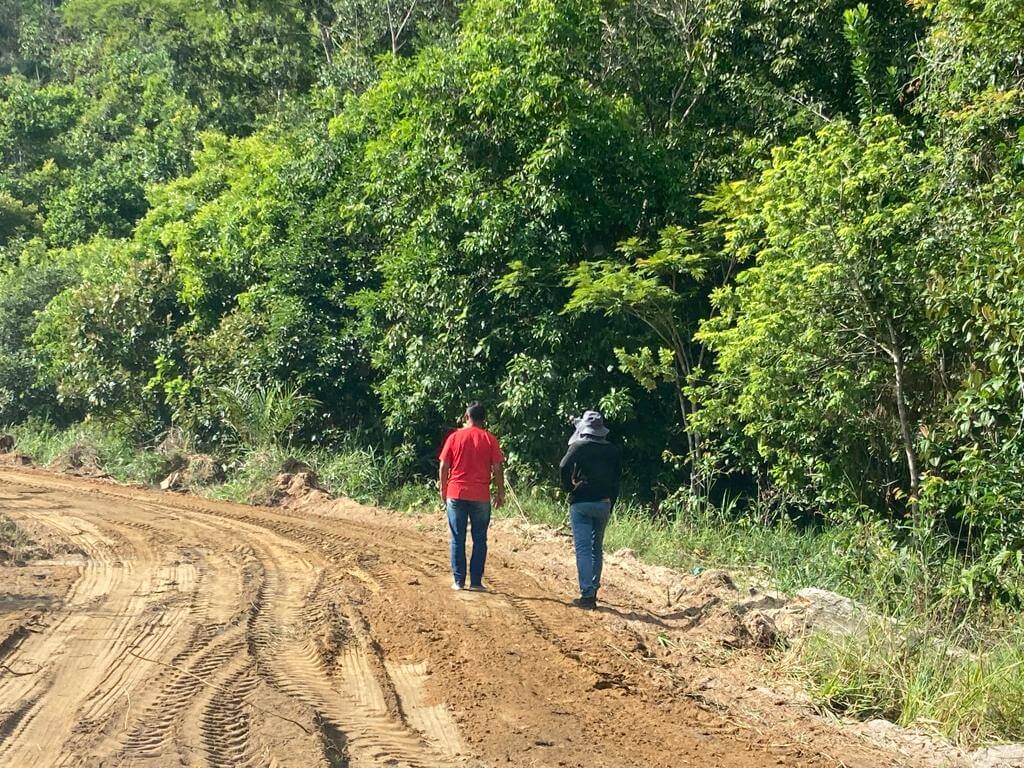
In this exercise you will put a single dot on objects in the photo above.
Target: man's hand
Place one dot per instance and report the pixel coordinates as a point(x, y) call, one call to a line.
point(499, 499)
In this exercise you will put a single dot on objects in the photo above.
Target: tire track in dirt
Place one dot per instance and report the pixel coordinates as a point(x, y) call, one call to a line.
point(226, 722)
point(124, 612)
point(222, 623)
point(350, 705)
point(95, 623)
point(351, 701)
point(200, 664)
point(379, 688)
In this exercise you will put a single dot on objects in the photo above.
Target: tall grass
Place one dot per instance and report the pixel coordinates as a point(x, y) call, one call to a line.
point(363, 474)
point(966, 683)
point(92, 445)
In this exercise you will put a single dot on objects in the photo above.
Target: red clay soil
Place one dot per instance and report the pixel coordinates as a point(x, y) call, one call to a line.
point(190, 632)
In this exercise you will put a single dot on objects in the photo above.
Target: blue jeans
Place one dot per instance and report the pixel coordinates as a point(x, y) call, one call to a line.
point(589, 520)
point(476, 515)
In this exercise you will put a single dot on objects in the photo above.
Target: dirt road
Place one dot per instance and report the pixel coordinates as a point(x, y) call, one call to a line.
point(189, 632)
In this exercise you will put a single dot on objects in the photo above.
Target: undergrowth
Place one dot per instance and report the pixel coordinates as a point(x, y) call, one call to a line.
point(952, 669)
point(88, 446)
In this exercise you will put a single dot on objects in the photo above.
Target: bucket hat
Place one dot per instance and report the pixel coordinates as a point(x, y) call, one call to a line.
point(590, 424)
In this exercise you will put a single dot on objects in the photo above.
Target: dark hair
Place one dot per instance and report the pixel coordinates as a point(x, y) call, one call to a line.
point(476, 412)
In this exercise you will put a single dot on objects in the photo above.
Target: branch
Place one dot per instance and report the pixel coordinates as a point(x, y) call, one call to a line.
point(20, 674)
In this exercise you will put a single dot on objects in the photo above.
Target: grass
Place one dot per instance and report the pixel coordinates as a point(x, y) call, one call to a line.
point(964, 683)
point(92, 445)
point(961, 675)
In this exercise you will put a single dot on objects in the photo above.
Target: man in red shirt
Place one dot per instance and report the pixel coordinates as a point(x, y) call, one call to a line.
point(470, 460)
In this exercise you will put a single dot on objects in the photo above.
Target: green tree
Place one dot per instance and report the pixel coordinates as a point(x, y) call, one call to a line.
point(665, 286)
point(820, 344)
point(27, 285)
point(98, 340)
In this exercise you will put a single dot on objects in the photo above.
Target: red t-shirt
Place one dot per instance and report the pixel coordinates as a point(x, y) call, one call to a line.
point(471, 452)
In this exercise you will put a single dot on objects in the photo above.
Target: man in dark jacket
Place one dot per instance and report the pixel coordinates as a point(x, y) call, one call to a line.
point(590, 472)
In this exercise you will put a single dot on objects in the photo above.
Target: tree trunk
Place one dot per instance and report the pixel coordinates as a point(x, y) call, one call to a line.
point(693, 441)
point(906, 433)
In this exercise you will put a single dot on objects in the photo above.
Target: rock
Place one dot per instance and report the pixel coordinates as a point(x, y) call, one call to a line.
point(1003, 756)
point(625, 554)
point(815, 609)
point(6, 443)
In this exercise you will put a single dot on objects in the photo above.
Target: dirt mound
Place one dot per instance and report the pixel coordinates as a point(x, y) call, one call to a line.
point(79, 459)
point(297, 488)
point(7, 454)
point(186, 467)
point(193, 471)
point(16, 546)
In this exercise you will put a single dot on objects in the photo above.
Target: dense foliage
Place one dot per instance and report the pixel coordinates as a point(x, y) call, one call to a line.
point(778, 243)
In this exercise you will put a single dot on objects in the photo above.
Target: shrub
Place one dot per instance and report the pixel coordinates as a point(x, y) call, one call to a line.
point(265, 416)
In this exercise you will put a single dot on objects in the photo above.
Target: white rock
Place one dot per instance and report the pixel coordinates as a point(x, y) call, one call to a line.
point(1003, 756)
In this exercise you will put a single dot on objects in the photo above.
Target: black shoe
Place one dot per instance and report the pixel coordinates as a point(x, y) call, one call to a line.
point(588, 603)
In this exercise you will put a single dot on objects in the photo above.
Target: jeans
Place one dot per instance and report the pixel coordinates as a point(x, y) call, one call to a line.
point(475, 515)
point(589, 520)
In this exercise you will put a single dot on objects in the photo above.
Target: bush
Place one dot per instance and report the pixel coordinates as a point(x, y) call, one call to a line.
point(265, 416)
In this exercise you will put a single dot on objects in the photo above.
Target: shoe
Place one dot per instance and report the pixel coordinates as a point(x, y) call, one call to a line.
point(477, 588)
point(457, 587)
point(588, 603)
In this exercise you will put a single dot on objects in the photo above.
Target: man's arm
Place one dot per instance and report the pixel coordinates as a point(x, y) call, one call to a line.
point(565, 469)
point(498, 478)
point(443, 476)
point(616, 474)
